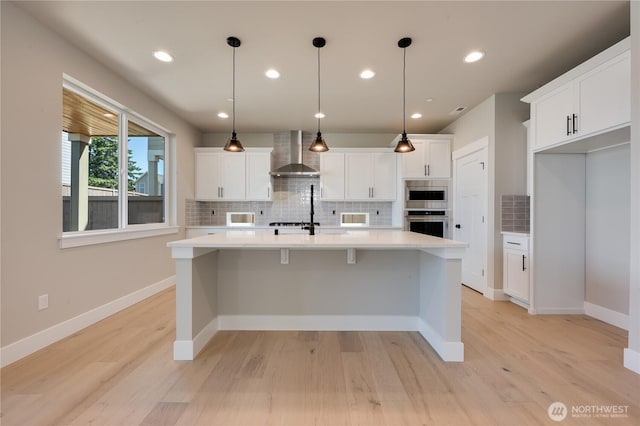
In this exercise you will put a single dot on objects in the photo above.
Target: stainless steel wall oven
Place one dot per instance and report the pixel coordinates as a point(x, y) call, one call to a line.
point(426, 207)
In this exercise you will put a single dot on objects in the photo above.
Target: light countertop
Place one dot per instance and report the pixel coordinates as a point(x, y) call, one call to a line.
point(370, 239)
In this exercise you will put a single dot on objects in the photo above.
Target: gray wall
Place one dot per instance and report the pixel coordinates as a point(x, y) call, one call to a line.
point(500, 119)
point(607, 228)
point(632, 356)
point(77, 280)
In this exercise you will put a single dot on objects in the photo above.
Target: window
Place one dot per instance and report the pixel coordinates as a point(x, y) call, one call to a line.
point(113, 169)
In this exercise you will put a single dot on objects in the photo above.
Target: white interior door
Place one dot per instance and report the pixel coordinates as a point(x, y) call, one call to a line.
point(470, 215)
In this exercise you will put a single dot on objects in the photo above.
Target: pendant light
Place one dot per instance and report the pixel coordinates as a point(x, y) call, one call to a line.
point(319, 145)
point(233, 144)
point(404, 145)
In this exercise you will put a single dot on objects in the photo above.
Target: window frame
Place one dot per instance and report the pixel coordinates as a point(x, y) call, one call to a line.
point(124, 231)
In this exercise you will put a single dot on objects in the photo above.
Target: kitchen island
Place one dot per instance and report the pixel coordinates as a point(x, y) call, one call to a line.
point(356, 280)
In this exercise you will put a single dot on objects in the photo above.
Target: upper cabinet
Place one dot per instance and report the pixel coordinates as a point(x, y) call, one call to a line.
point(591, 99)
point(370, 176)
point(238, 176)
point(430, 160)
point(353, 174)
point(258, 179)
point(332, 176)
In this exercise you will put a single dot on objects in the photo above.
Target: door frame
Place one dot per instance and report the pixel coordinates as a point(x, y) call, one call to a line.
point(479, 145)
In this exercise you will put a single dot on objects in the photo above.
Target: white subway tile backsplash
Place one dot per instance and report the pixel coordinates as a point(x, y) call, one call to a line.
point(291, 201)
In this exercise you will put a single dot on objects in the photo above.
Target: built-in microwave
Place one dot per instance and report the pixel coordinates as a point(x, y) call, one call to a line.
point(426, 194)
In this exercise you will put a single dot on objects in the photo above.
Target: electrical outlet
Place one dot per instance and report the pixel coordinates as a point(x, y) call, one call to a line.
point(43, 302)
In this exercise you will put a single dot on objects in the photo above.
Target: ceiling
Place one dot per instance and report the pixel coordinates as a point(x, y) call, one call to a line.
point(526, 45)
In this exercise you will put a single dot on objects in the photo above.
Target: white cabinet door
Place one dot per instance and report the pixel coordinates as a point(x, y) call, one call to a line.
point(332, 176)
point(220, 175)
point(516, 274)
point(207, 176)
point(258, 178)
point(414, 165)
point(553, 117)
point(232, 176)
point(358, 177)
point(430, 160)
point(605, 96)
point(384, 176)
point(439, 159)
point(596, 101)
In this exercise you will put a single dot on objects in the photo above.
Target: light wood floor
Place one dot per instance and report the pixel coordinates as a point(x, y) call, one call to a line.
point(120, 372)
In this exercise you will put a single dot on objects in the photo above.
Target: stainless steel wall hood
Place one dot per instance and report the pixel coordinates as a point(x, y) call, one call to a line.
point(292, 151)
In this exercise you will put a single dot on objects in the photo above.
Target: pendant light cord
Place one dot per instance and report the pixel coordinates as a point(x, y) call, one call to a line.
point(319, 90)
point(233, 91)
point(404, 89)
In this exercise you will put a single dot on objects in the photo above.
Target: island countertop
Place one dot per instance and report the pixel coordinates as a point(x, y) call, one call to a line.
point(349, 239)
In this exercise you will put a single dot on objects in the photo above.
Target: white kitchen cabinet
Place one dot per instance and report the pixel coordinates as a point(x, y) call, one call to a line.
point(589, 100)
point(430, 160)
point(515, 264)
point(332, 176)
point(220, 175)
point(258, 165)
point(370, 176)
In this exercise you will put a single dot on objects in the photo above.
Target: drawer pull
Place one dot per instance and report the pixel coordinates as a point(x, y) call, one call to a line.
point(511, 242)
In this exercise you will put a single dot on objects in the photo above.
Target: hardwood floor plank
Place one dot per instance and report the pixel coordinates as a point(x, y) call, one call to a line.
point(120, 371)
point(164, 414)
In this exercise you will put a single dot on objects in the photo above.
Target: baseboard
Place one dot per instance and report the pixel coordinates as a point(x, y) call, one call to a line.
point(448, 351)
point(632, 360)
point(496, 294)
point(559, 311)
point(187, 350)
point(20, 349)
point(607, 315)
point(319, 322)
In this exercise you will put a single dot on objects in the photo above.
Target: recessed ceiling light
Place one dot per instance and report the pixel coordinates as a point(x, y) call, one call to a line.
point(319, 115)
point(416, 115)
point(429, 100)
point(223, 115)
point(162, 56)
point(272, 73)
point(474, 56)
point(367, 74)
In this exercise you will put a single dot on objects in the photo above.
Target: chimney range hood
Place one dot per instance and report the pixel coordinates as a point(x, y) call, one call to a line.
point(291, 152)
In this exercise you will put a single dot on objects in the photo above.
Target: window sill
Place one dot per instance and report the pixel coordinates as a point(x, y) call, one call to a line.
point(78, 239)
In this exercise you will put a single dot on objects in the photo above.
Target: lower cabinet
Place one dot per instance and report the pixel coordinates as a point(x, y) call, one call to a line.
point(515, 261)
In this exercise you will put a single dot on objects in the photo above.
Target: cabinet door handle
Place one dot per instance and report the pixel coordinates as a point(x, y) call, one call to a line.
point(221, 192)
point(371, 192)
point(428, 169)
point(523, 258)
point(511, 242)
point(268, 192)
point(568, 125)
point(425, 170)
point(575, 123)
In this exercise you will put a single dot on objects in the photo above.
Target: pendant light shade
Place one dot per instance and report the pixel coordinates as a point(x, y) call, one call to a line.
point(233, 144)
point(319, 145)
point(404, 144)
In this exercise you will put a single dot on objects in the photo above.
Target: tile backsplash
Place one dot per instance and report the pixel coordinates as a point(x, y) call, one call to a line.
point(291, 201)
point(515, 213)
